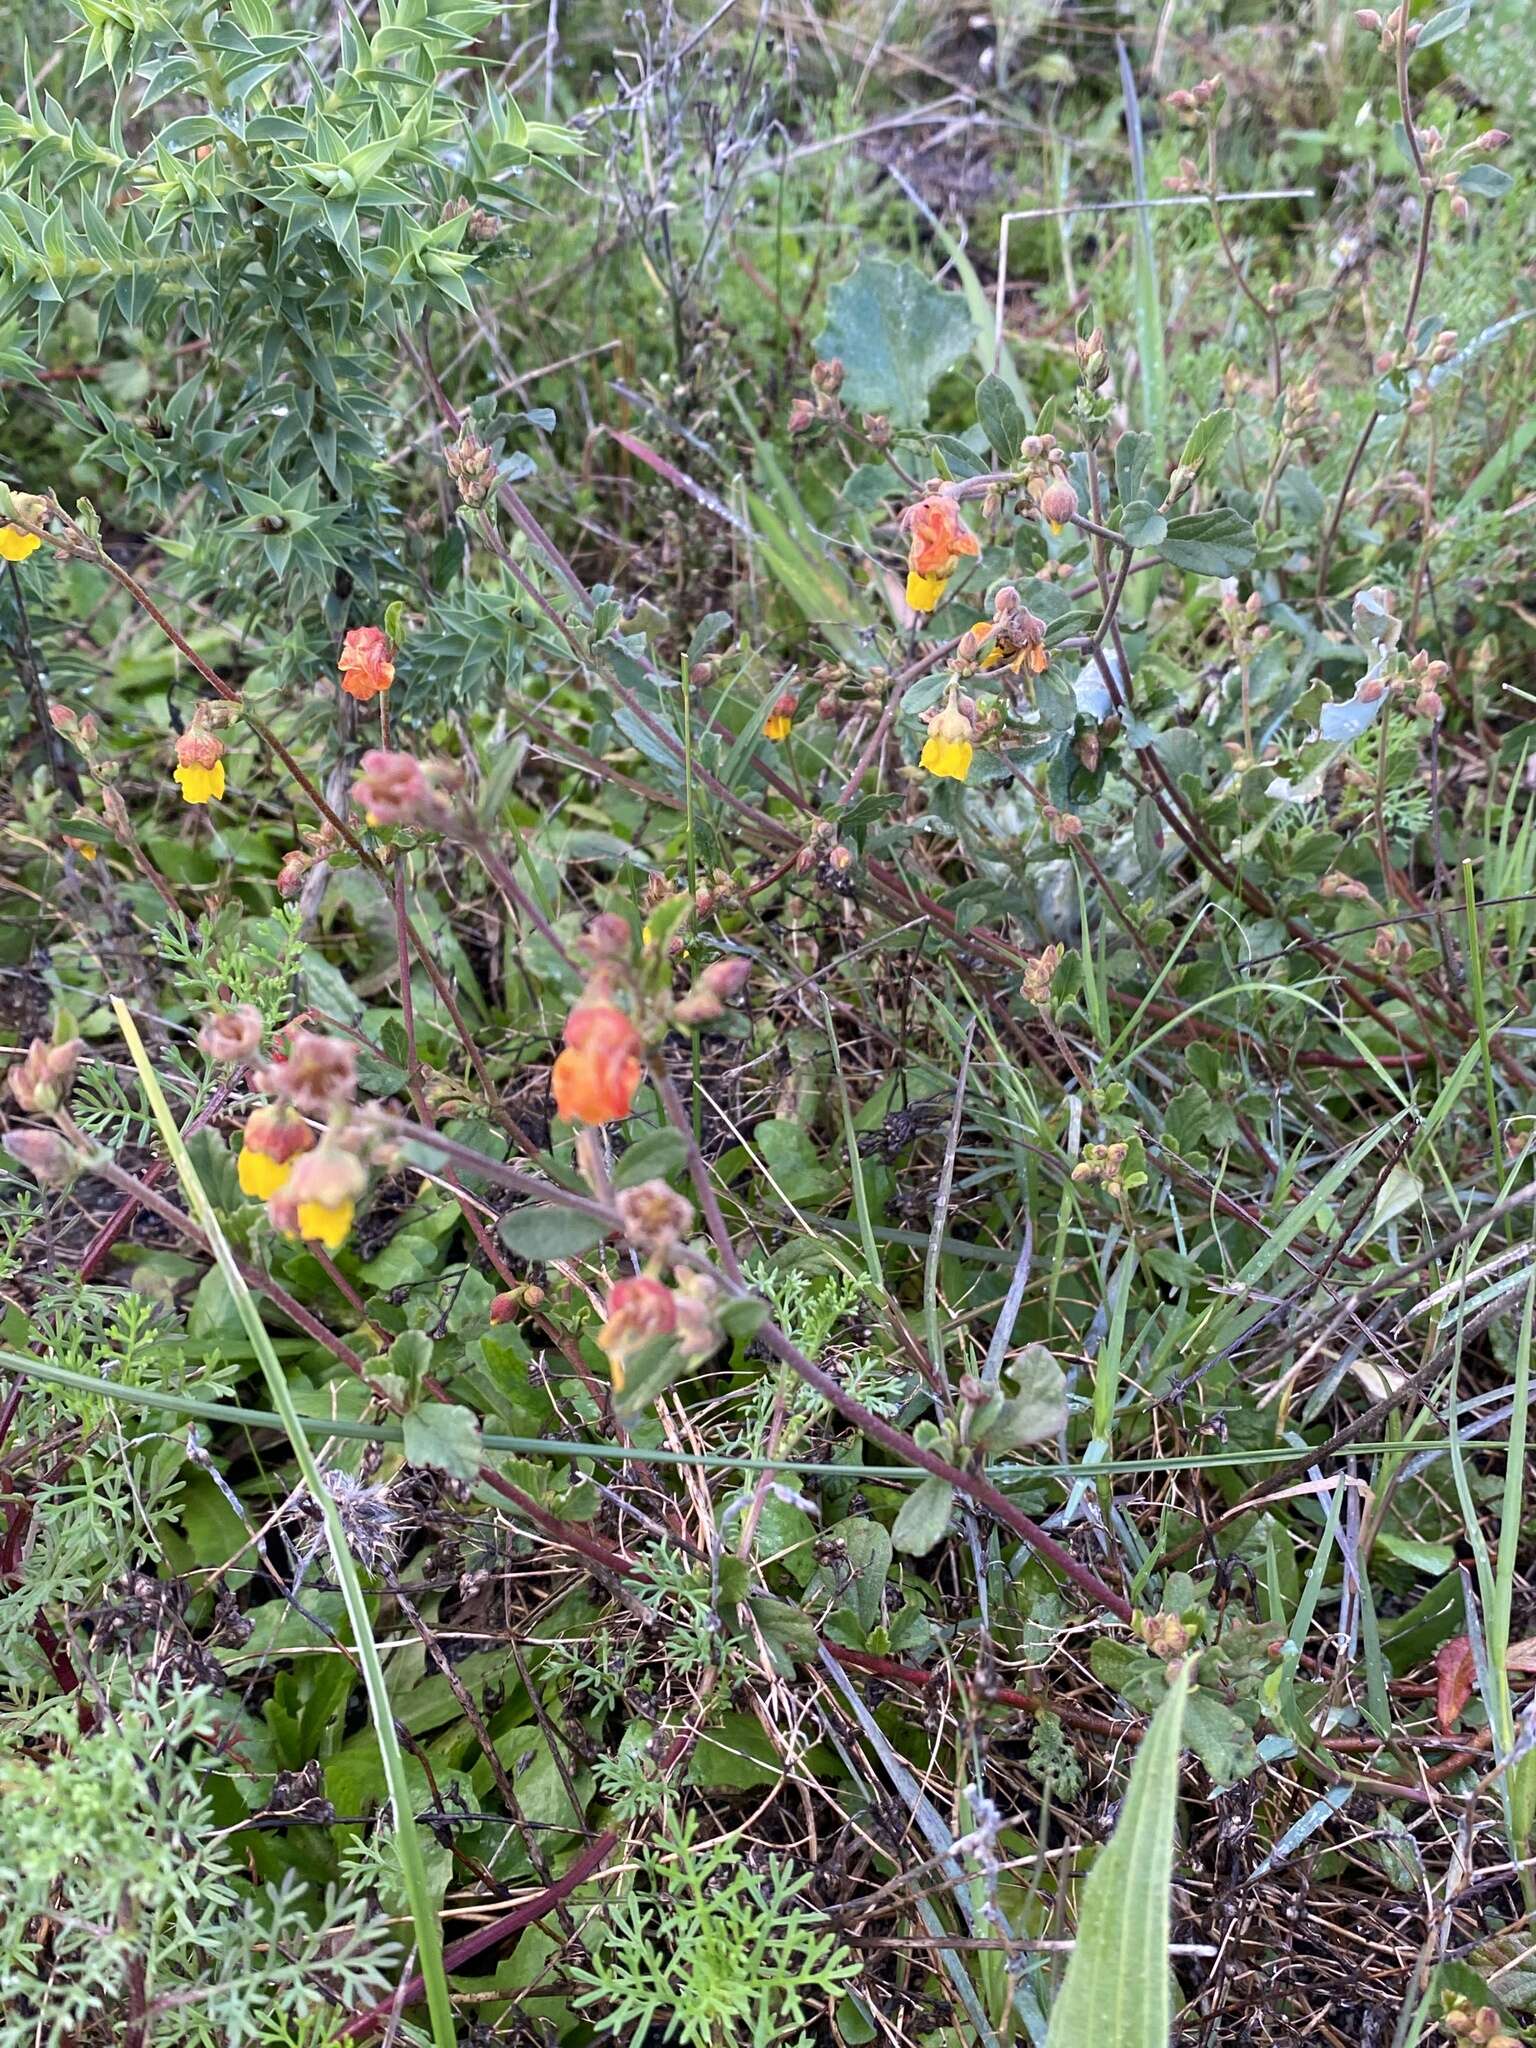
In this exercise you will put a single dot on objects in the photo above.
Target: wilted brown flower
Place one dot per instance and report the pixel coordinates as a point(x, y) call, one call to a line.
point(393, 790)
point(230, 1035)
point(654, 1216)
point(316, 1073)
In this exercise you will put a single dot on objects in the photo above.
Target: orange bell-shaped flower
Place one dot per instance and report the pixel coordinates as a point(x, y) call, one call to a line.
point(595, 1078)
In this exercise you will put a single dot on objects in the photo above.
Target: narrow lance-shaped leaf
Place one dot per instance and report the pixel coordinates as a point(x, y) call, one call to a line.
point(1116, 1992)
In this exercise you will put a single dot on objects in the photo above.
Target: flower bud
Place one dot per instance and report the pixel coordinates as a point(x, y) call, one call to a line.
point(51, 1162)
point(41, 1083)
point(827, 375)
point(472, 466)
point(607, 940)
point(1039, 973)
point(697, 1332)
point(728, 977)
point(1058, 504)
point(290, 875)
point(1165, 1634)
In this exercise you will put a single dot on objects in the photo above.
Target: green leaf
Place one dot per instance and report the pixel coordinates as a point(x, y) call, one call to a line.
point(1142, 524)
point(1133, 452)
point(793, 1162)
point(407, 1258)
point(1207, 438)
point(540, 1230)
point(1002, 420)
point(445, 1437)
point(1444, 24)
point(1128, 1669)
point(1220, 1738)
point(410, 1357)
point(1215, 543)
point(1031, 1406)
point(1401, 1191)
point(858, 1563)
point(1487, 180)
point(895, 333)
point(788, 1634)
point(655, 1156)
point(736, 1756)
point(742, 1318)
point(924, 1517)
point(646, 1378)
point(1116, 1990)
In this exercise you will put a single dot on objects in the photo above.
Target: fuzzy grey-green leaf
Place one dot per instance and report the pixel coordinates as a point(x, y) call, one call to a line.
point(895, 332)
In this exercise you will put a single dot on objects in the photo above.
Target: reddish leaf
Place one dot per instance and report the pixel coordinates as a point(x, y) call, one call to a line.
point(1455, 1676)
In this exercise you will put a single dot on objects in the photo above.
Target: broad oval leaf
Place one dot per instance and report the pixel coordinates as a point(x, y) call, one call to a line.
point(924, 1517)
point(1215, 543)
point(895, 332)
point(444, 1436)
point(541, 1230)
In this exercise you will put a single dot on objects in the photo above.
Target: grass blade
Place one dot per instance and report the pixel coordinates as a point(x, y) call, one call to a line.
point(1149, 306)
point(429, 1940)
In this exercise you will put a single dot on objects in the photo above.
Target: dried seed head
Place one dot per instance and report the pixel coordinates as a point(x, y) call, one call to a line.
point(1165, 1635)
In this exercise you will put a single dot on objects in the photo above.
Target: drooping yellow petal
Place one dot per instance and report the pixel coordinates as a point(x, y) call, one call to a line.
point(260, 1175)
point(950, 758)
point(778, 726)
point(16, 544)
point(924, 592)
point(328, 1222)
point(201, 785)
